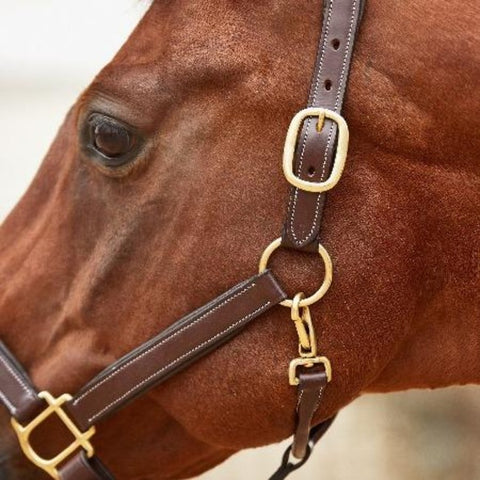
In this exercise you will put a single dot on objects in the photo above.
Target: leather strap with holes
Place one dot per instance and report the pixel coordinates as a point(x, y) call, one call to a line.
point(315, 150)
point(314, 155)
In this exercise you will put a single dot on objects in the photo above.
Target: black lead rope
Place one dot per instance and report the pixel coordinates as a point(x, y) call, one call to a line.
point(287, 466)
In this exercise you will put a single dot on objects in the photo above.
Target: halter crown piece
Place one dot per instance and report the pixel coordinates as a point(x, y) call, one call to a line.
point(313, 161)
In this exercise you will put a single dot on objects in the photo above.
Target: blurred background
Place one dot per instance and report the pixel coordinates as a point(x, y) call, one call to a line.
point(49, 52)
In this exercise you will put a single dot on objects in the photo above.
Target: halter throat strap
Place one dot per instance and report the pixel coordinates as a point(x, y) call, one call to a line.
point(315, 150)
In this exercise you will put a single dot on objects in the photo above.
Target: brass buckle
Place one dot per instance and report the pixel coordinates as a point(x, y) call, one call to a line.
point(81, 438)
point(291, 142)
point(308, 362)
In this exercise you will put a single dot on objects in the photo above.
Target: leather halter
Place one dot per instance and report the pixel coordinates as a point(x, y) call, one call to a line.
point(314, 157)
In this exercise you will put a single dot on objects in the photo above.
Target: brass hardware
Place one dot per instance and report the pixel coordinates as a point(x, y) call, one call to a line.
point(307, 342)
point(327, 280)
point(81, 438)
point(308, 362)
point(291, 141)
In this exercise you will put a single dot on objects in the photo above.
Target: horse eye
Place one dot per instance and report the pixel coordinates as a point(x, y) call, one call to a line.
point(111, 139)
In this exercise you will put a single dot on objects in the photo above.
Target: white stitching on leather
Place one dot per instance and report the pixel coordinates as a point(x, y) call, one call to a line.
point(153, 347)
point(344, 65)
point(181, 357)
point(330, 134)
point(319, 397)
point(7, 403)
point(15, 376)
point(316, 406)
point(314, 97)
point(299, 399)
point(322, 55)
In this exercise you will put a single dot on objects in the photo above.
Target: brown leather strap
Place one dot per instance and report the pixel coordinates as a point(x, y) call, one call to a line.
point(16, 391)
point(313, 160)
point(315, 151)
point(312, 383)
point(174, 348)
point(310, 390)
point(82, 468)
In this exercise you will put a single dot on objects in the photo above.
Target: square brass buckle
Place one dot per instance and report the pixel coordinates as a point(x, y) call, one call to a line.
point(81, 438)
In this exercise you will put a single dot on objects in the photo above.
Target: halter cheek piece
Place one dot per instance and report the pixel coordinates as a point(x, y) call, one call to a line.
point(313, 161)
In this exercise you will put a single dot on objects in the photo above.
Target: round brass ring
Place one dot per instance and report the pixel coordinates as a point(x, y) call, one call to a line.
point(327, 280)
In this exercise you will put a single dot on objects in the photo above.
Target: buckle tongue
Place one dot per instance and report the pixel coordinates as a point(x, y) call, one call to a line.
point(291, 142)
point(82, 439)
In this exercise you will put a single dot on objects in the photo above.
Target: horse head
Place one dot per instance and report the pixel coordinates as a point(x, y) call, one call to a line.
point(164, 185)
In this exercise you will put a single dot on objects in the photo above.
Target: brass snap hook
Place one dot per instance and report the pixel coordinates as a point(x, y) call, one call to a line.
point(307, 342)
point(302, 318)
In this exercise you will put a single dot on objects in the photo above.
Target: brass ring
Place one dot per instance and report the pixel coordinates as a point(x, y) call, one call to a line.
point(327, 280)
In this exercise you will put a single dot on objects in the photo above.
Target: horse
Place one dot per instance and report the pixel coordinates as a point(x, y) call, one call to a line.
point(164, 183)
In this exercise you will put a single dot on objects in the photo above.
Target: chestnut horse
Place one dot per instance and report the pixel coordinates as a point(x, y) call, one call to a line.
point(164, 183)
